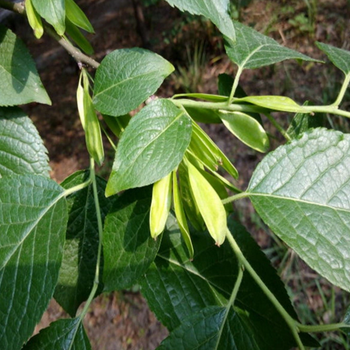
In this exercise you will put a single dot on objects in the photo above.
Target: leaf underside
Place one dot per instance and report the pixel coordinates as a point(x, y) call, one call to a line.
point(216, 11)
point(302, 191)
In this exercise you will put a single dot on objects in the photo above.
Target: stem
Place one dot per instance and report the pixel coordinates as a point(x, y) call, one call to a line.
point(278, 126)
point(342, 91)
point(293, 325)
point(15, 7)
point(77, 188)
point(327, 109)
point(235, 84)
point(99, 249)
point(219, 105)
point(232, 299)
point(235, 197)
point(71, 49)
point(321, 327)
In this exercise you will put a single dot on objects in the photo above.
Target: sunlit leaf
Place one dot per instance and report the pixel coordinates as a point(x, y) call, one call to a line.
point(151, 146)
point(126, 78)
point(21, 147)
point(54, 12)
point(20, 82)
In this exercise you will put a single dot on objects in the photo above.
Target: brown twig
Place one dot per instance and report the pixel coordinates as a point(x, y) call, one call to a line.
point(67, 45)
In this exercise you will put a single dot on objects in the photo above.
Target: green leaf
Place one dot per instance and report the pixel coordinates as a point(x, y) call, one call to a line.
point(274, 103)
point(303, 122)
point(65, 334)
point(21, 147)
point(301, 191)
point(77, 36)
point(126, 78)
point(204, 115)
point(177, 288)
point(215, 11)
point(247, 129)
point(20, 82)
point(128, 246)
point(54, 12)
point(225, 85)
point(77, 16)
point(151, 146)
point(213, 328)
point(33, 218)
point(253, 49)
point(78, 268)
point(339, 57)
point(346, 320)
point(207, 150)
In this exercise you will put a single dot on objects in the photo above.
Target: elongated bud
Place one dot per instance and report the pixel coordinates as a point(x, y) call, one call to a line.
point(160, 206)
point(34, 19)
point(181, 217)
point(89, 120)
point(209, 204)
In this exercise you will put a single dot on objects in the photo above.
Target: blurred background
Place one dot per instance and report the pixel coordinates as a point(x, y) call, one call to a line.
point(122, 320)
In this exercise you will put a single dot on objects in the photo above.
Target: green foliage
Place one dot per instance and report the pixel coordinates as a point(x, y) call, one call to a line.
point(216, 11)
point(22, 149)
point(151, 147)
point(300, 196)
point(87, 236)
point(53, 11)
point(20, 82)
point(126, 78)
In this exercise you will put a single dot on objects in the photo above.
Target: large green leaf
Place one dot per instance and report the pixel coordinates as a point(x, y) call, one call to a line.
point(65, 334)
point(33, 217)
point(339, 57)
point(20, 82)
point(302, 191)
point(129, 248)
point(78, 268)
point(213, 328)
point(216, 11)
point(152, 145)
point(126, 78)
point(54, 12)
point(21, 147)
point(177, 288)
point(253, 49)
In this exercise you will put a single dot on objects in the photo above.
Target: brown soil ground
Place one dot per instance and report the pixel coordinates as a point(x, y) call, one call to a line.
point(122, 320)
